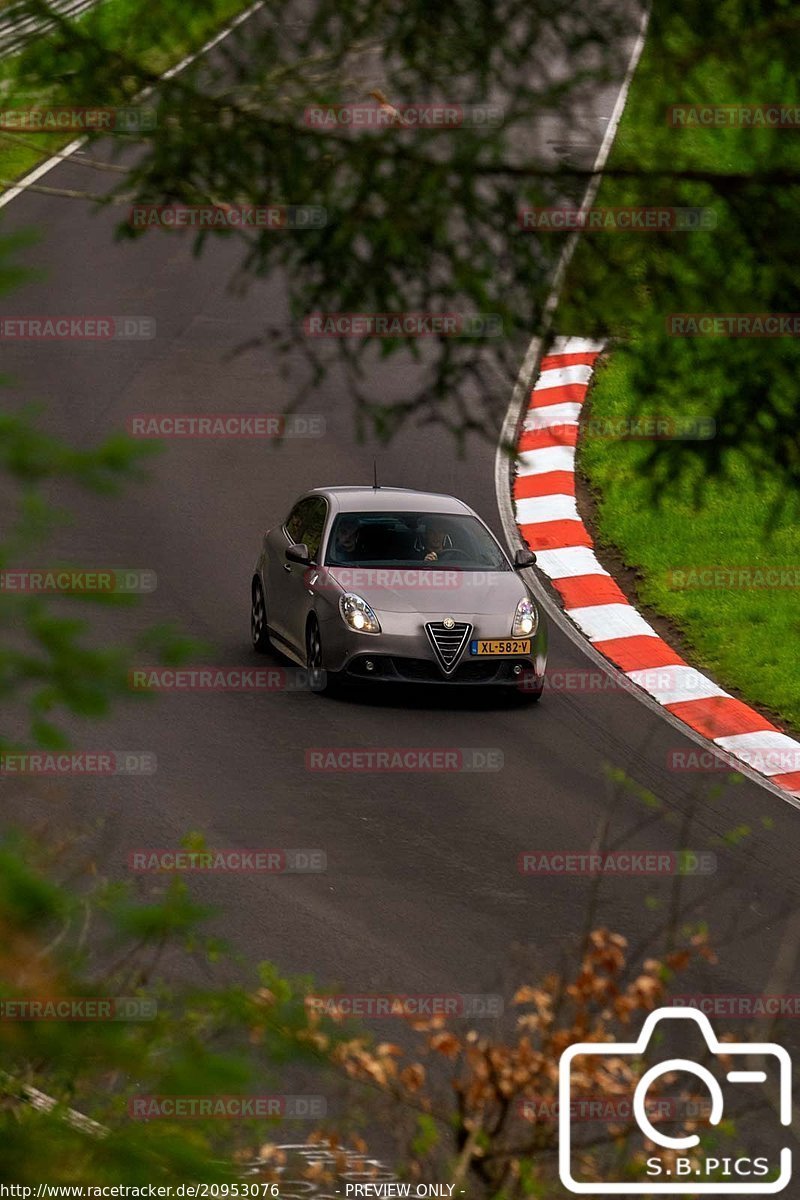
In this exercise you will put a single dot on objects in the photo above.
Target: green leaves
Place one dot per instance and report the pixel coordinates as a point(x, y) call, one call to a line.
point(425, 219)
point(169, 1036)
point(32, 456)
point(419, 219)
point(49, 662)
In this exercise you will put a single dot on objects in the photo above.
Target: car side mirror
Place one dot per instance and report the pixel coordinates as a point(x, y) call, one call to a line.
point(299, 554)
point(524, 558)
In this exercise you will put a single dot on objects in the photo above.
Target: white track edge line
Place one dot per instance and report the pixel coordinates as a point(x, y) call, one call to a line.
point(67, 151)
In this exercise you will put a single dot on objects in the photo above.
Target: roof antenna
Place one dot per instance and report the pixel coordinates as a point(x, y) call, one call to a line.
point(375, 474)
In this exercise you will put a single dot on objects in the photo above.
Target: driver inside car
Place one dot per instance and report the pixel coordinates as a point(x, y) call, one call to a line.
point(436, 541)
point(346, 546)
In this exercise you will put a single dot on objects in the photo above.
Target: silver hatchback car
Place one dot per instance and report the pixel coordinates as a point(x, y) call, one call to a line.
point(385, 584)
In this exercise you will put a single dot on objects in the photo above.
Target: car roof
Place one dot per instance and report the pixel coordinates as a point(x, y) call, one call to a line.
point(364, 498)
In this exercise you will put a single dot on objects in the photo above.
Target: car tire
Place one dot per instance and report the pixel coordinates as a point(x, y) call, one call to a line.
point(323, 682)
point(259, 634)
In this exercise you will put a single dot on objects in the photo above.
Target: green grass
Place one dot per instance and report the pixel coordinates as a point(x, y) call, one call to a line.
point(746, 636)
point(691, 508)
point(30, 80)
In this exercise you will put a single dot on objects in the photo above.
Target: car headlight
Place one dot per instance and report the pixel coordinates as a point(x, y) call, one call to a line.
point(357, 614)
point(526, 619)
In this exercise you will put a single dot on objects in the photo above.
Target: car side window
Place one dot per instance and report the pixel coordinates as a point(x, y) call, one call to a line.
point(294, 522)
point(312, 525)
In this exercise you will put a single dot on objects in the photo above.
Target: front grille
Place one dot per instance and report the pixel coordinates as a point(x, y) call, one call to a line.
point(448, 644)
point(422, 670)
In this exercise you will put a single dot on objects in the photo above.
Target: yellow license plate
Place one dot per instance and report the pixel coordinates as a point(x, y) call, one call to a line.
point(498, 647)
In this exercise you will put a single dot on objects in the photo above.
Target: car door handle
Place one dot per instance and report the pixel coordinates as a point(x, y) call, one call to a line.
point(287, 566)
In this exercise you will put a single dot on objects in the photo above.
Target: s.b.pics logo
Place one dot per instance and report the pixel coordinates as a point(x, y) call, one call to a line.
point(670, 1148)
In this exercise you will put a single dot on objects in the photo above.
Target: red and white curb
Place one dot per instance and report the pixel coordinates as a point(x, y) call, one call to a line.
point(548, 520)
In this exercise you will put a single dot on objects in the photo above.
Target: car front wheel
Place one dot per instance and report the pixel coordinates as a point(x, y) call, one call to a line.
point(319, 680)
point(258, 618)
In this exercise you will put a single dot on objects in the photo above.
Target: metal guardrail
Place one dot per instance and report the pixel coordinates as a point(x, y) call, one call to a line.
point(18, 27)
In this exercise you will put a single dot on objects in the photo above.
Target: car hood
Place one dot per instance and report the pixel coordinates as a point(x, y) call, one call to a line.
point(433, 593)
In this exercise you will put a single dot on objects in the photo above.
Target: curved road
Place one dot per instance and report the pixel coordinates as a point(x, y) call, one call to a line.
point(422, 891)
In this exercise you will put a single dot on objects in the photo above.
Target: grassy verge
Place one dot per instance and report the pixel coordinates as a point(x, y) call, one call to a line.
point(737, 625)
point(31, 79)
point(724, 502)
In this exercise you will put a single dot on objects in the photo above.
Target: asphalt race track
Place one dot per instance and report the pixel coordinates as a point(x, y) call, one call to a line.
point(422, 890)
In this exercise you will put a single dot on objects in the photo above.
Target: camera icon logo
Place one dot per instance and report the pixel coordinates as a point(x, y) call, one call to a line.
point(683, 1171)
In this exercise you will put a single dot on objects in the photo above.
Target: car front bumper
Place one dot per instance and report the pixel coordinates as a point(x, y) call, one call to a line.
point(402, 653)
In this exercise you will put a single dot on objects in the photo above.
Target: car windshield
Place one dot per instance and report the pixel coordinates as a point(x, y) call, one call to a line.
point(413, 539)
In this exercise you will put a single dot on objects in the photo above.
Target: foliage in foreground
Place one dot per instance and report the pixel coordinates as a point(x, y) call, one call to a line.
point(428, 219)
